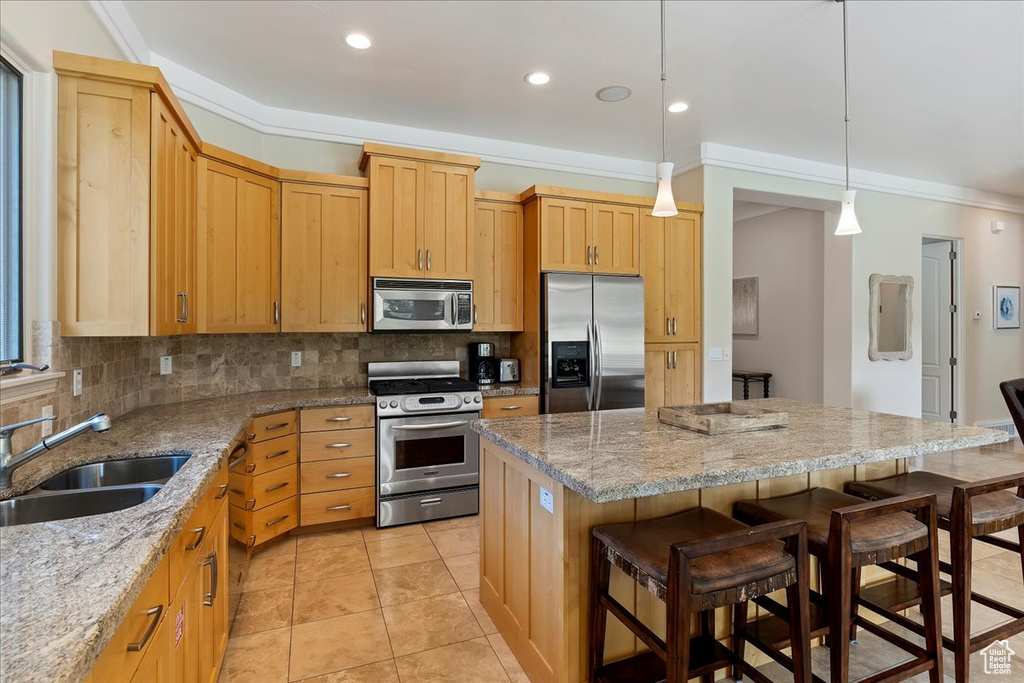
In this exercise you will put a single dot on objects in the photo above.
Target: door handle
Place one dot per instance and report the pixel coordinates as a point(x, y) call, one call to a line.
point(223, 492)
point(675, 330)
point(419, 259)
point(597, 255)
point(475, 317)
point(200, 535)
point(181, 307)
point(362, 314)
point(668, 327)
point(589, 252)
point(668, 360)
point(590, 363)
point(277, 312)
point(211, 562)
point(154, 612)
point(597, 364)
point(186, 307)
point(428, 259)
point(423, 428)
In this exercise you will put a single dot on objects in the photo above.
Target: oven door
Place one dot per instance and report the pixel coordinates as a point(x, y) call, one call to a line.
point(404, 309)
point(427, 452)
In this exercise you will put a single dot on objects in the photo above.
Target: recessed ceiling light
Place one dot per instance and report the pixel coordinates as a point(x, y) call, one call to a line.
point(613, 93)
point(537, 78)
point(359, 41)
point(678, 107)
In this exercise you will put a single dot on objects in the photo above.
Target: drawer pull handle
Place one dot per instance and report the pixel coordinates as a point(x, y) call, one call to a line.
point(154, 612)
point(278, 454)
point(211, 562)
point(252, 436)
point(238, 492)
point(431, 473)
point(250, 504)
point(201, 531)
point(339, 475)
point(332, 508)
point(339, 419)
point(249, 469)
point(276, 487)
point(278, 520)
point(238, 525)
point(511, 407)
point(223, 492)
point(339, 445)
point(428, 502)
point(279, 425)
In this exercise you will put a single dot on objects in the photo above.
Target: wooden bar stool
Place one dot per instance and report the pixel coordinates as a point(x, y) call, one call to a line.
point(696, 561)
point(846, 534)
point(967, 511)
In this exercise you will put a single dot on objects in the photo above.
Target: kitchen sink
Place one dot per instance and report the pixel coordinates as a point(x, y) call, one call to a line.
point(52, 506)
point(156, 470)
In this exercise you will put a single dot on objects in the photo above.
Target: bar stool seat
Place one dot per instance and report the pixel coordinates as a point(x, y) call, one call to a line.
point(640, 550)
point(877, 536)
point(990, 512)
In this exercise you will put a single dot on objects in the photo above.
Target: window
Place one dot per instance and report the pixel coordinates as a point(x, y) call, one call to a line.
point(10, 214)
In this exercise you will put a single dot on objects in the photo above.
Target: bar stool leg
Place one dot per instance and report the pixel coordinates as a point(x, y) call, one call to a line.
point(739, 643)
point(960, 548)
point(799, 620)
point(707, 627)
point(600, 569)
point(928, 570)
point(854, 602)
point(841, 570)
point(677, 643)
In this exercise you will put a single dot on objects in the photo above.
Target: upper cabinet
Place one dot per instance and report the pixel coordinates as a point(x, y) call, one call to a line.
point(323, 257)
point(672, 256)
point(498, 286)
point(421, 222)
point(588, 236)
point(239, 249)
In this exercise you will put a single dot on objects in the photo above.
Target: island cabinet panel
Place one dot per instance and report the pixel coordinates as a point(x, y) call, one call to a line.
point(498, 280)
point(671, 267)
point(239, 249)
point(672, 375)
point(323, 258)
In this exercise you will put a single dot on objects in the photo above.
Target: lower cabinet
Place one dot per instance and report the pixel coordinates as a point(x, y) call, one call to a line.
point(673, 374)
point(337, 467)
point(510, 406)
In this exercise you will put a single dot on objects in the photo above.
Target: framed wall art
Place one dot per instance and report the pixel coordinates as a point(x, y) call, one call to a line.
point(1006, 307)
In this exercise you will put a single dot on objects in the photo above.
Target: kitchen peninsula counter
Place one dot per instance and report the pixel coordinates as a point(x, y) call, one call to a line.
point(547, 480)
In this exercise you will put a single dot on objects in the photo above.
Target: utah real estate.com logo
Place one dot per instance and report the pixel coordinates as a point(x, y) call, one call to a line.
point(998, 657)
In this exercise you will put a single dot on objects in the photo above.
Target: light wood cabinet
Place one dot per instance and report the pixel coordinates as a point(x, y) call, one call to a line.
point(155, 666)
point(616, 239)
point(672, 255)
point(589, 237)
point(510, 406)
point(239, 251)
point(323, 258)
point(263, 489)
point(498, 284)
point(421, 221)
point(672, 375)
point(338, 470)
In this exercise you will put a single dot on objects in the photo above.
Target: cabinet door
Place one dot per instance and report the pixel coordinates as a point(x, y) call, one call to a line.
point(448, 222)
point(683, 276)
point(396, 218)
point(656, 369)
point(213, 587)
point(185, 628)
point(616, 239)
point(155, 666)
point(103, 189)
point(566, 227)
point(323, 258)
point(654, 265)
point(672, 375)
point(172, 226)
point(498, 283)
point(239, 250)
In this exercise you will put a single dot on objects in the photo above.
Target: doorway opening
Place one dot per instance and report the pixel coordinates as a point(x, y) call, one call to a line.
point(940, 328)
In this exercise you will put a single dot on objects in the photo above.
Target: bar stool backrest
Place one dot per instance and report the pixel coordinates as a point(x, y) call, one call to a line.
point(1013, 393)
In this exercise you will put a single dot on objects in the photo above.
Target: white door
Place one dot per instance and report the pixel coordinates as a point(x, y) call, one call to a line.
point(936, 332)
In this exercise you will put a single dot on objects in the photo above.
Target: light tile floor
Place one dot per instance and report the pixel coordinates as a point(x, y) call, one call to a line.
point(402, 604)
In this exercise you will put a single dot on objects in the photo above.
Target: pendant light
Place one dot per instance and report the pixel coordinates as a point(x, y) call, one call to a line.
point(664, 204)
point(848, 224)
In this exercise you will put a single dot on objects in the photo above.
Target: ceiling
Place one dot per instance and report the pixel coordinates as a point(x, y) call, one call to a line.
point(937, 88)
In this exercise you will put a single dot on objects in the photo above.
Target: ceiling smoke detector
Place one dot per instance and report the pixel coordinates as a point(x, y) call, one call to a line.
point(613, 93)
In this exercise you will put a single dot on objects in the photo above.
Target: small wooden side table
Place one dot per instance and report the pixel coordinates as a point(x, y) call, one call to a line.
point(747, 377)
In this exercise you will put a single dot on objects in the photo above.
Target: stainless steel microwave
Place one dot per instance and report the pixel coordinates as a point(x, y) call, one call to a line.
point(422, 305)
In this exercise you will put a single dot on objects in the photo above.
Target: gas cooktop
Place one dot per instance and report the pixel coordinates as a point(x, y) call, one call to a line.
point(420, 385)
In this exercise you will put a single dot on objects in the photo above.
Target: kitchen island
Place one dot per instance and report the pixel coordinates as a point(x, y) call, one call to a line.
point(546, 481)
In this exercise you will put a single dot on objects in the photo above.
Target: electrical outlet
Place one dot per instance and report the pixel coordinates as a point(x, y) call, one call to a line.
point(547, 501)
point(716, 353)
point(76, 382)
point(165, 365)
point(48, 425)
point(296, 359)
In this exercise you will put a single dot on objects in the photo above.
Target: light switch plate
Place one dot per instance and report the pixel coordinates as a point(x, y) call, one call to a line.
point(76, 382)
point(165, 365)
point(727, 354)
point(296, 359)
point(48, 425)
point(547, 501)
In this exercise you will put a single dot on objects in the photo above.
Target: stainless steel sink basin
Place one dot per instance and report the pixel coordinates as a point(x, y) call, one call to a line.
point(155, 470)
point(49, 507)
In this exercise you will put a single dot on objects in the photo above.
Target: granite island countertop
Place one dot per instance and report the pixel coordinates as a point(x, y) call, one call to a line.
point(620, 454)
point(65, 586)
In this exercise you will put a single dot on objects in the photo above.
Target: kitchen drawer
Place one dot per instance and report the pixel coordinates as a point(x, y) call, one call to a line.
point(510, 406)
point(348, 443)
point(257, 492)
point(139, 626)
point(185, 547)
point(340, 417)
point(259, 526)
point(421, 507)
point(271, 455)
point(338, 506)
point(271, 426)
point(335, 475)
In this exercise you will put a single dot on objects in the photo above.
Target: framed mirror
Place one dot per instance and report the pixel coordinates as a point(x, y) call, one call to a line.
point(890, 317)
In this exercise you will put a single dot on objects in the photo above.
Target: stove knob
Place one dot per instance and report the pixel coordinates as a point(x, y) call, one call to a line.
point(466, 399)
point(476, 399)
point(383, 404)
point(394, 404)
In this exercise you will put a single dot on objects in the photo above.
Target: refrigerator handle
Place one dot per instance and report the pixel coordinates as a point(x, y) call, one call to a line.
point(590, 370)
point(598, 365)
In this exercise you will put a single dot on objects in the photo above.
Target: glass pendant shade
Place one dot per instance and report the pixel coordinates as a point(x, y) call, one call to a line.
point(665, 204)
point(848, 224)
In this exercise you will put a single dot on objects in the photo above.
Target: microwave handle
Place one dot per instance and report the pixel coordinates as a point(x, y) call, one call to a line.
point(453, 304)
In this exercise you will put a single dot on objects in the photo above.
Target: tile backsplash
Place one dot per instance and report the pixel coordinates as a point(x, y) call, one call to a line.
point(121, 374)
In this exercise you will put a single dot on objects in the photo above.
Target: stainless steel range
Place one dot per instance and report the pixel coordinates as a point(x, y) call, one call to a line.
point(428, 459)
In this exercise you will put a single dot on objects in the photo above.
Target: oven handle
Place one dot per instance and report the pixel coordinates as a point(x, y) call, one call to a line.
point(424, 428)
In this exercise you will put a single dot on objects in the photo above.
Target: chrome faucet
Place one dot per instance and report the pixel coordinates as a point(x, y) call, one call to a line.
point(10, 461)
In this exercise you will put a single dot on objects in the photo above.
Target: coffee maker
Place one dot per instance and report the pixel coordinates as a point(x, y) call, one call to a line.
point(483, 366)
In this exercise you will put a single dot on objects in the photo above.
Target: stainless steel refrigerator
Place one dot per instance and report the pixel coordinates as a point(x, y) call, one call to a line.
point(593, 343)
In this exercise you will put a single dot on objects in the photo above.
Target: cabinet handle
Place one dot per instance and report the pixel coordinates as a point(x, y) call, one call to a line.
point(668, 327)
point(338, 445)
point(154, 612)
point(511, 407)
point(276, 487)
point(277, 455)
point(589, 252)
point(675, 329)
point(428, 502)
point(332, 508)
point(278, 520)
point(201, 531)
point(249, 469)
point(339, 475)
point(223, 492)
point(279, 425)
point(428, 259)
point(186, 307)
point(211, 562)
point(419, 259)
point(362, 314)
point(668, 360)
point(340, 418)
point(181, 307)
point(277, 313)
point(475, 316)
point(675, 357)
point(250, 504)
point(597, 255)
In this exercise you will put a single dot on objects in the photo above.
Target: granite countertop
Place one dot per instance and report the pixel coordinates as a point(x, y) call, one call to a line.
point(621, 454)
point(65, 586)
point(494, 390)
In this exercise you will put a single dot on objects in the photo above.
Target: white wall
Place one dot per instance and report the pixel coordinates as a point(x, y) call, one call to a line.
point(784, 250)
point(35, 28)
point(891, 244)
